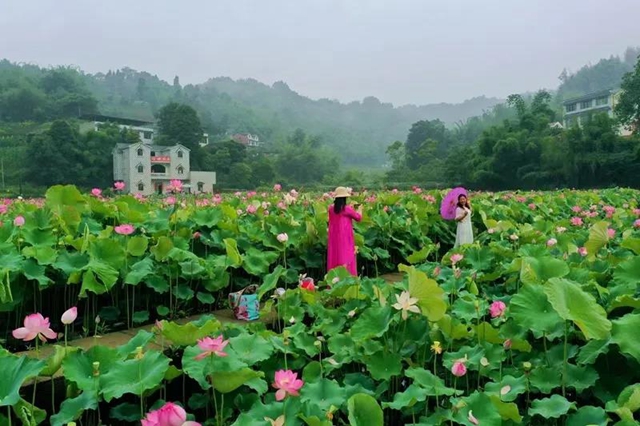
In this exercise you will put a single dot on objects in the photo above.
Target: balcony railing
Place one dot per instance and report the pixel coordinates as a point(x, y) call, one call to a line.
point(161, 159)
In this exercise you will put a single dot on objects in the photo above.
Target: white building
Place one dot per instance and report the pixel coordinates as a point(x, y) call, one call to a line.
point(147, 169)
point(578, 110)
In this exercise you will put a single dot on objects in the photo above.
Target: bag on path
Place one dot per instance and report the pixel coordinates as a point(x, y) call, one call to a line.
point(245, 303)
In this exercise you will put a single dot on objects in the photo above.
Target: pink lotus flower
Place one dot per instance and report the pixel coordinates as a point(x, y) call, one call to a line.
point(175, 185)
point(277, 187)
point(170, 201)
point(287, 383)
point(18, 221)
point(561, 229)
point(283, 238)
point(169, 414)
point(211, 346)
point(119, 186)
point(636, 212)
point(497, 309)
point(459, 368)
point(96, 192)
point(491, 230)
point(69, 316)
point(430, 198)
point(576, 221)
point(3, 208)
point(551, 242)
point(436, 271)
point(251, 209)
point(611, 233)
point(636, 224)
point(582, 251)
point(455, 258)
point(35, 325)
point(576, 209)
point(125, 229)
point(532, 206)
point(196, 235)
point(507, 344)
point(472, 418)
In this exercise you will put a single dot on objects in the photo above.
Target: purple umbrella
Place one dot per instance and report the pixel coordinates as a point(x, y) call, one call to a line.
point(450, 202)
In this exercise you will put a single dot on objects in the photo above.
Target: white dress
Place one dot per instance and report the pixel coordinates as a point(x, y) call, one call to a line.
point(464, 233)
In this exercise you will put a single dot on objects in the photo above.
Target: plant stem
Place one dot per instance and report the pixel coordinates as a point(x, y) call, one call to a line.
point(564, 358)
point(435, 373)
point(53, 395)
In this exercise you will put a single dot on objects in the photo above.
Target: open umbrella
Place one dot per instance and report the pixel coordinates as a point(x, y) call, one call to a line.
point(449, 203)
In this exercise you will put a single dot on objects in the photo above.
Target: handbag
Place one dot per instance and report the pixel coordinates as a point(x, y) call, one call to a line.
point(245, 303)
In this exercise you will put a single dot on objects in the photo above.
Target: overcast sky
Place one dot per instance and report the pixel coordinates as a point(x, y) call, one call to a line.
point(401, 51)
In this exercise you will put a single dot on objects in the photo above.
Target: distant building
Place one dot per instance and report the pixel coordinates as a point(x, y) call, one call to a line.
point(145, 129)
point(578, 110)
point(147, 169)
point(247, 139)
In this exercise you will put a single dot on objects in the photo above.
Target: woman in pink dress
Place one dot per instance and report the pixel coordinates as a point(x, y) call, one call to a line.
point(341, 248)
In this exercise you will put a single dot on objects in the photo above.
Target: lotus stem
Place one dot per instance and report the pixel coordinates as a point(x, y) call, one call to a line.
point(564, 359)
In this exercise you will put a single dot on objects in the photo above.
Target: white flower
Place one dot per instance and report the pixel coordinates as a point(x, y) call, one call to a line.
point(406, 303)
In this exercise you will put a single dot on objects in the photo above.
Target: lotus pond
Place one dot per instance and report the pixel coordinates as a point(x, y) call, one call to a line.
point(538, 323)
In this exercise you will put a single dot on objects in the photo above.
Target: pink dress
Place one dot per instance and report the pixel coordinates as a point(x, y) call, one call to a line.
point(341, 248)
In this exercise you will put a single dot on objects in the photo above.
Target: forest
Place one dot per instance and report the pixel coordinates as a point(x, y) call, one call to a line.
point(484, 142)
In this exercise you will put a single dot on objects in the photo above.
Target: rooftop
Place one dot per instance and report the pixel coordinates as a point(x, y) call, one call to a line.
point(114, 119)
point(588, 96)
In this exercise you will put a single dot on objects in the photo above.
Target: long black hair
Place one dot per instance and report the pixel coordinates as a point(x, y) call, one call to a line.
point(466, 204)
point(339, 204)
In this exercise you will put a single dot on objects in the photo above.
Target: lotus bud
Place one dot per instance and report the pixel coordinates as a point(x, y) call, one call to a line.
point(96, 369)
point(139, 353)
point(526, 365)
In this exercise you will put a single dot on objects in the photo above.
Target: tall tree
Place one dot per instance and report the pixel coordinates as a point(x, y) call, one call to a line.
point(628, 107)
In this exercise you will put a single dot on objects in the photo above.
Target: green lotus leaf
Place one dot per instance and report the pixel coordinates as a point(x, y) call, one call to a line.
point(134, 376)
point(532, 310)
point(140, 270)
point(625, 335)
point(507, 410)
point(598, 238)
point(590, 352)
point(430, 296)
point(324, 393)
point(228, 381)
point(190, 333)
point(373, 322)
point(508, 388)
point(137, 246)
point(15, 370)
point(384, 365)
point(482, 408)
point(233, 255)
point(551, 408)
point(72, 408)
point(32, 271)
point(428, 382)
point(162, 249)
point(539, 270)
point(251, 348)
point(54, 361)
point(29, 414)
point(43, 255)
point(257, 262)
point(632, 244)
point(588, 415)
point(574, 304)
point(78, 366)
point(364, 410)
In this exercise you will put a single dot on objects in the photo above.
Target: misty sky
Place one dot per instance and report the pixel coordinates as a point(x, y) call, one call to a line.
point(401, 51)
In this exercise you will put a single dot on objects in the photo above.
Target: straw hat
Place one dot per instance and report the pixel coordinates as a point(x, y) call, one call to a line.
point(341, 192)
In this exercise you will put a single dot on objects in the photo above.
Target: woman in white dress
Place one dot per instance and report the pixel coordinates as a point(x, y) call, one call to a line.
point(464, 233)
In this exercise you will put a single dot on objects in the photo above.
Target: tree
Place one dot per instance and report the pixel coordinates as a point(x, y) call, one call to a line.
point(419, 133)
point(628, 107)
point(55, 156)
point(179, 123)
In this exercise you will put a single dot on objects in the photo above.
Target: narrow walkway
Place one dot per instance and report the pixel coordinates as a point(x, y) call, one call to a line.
point(119, 338)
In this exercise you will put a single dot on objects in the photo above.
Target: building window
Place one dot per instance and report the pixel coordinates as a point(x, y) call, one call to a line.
point(200, 187)
point(153, 153)
point(571, 107)
point(140, 168)
point(586, 104)
point(141, 186)
point(180, 170)
point(140, 152)
point(147, 135)
point(179, 154)
point(604, 100)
